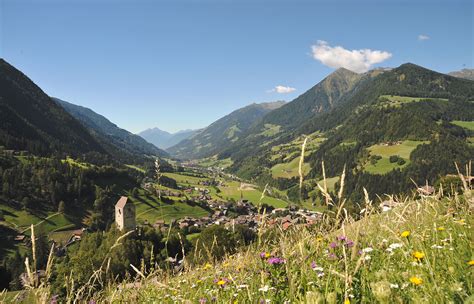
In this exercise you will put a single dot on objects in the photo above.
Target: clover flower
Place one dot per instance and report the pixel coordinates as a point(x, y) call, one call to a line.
point(275, 261)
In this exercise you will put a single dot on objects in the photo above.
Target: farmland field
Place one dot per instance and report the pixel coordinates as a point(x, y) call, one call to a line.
point(397, 101)
point(384, 165)
point(464, 124)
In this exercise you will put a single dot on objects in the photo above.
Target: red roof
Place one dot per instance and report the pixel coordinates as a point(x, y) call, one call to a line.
point(122, 202)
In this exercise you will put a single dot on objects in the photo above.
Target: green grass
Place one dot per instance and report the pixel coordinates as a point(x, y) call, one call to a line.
point(232, 191)
point(384, 165)
point(136, 168)
point(74, 162)
point(214, 162)
point(379, 267)
point(397, 101)
point(464, 124)
point(151, 209)
point(185, 179)
point(270, 130)
point(290, 169)
point(330, 183)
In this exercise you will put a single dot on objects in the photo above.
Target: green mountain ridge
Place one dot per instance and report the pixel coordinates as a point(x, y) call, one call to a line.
point(364, 117)
point(31, 120)
point(221, 133)
point(115, 140)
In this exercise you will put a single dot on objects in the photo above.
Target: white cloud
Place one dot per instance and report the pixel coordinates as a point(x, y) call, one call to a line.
point(282, 89)
point(355, 60)
point(423, 37)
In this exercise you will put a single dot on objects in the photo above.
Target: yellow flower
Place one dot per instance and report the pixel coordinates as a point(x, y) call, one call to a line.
point(470, 263)
point(416, 280)
point(207, 266)
point(441, 229)
point(221, 282)
point(319, 239)
point(418, 255)
point(199, 281)
point(405, 233)
point(347, 301)
point(461, 222)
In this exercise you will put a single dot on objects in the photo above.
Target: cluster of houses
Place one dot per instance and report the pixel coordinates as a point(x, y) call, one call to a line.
point(247, 215)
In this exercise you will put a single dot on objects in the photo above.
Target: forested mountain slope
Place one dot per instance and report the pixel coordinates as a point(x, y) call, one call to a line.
point(31, 120)
point(115, 140)
point(223, 132)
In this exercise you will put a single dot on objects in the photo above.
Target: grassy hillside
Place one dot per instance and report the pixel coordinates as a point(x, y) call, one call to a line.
point(421, 249)
point(223, 132)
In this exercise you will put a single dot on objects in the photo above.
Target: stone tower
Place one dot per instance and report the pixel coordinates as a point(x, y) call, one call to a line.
point(125, 214)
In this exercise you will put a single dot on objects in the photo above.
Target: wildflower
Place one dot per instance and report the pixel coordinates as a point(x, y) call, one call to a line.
point(207, 266)
point(316, 268)
point(333, 245)
point(347, 301)
point(441, 229)
point(416, 280)
point(341, 238)
point(436, 247)
point(275, 261)
point(221, 282)
point(264, 288)
point(405, 234)
point(332, 256)
point(367, 257)
point(461, 222)
point(349, 243)
point(394, 286)
point(202, 300)
point(319, 239)
point(367, 250)
point(418, 255)
point(470, 263)
point(264, 255)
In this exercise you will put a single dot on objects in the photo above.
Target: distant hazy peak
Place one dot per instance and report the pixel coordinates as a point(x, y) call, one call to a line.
point(464, 73)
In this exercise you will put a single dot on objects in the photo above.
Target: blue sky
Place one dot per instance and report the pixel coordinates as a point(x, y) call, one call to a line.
point(183, 64)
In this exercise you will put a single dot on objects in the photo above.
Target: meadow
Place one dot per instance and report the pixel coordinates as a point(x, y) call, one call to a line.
point(418, 252)
point(383, 165)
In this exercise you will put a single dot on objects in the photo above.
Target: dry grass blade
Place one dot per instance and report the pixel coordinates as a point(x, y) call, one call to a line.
point(300, 167)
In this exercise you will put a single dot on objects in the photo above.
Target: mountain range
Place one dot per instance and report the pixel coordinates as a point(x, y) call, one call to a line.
point(114, 139)
point(223, 132)
point(464, 73)
point(163, 139)
point(31, 120)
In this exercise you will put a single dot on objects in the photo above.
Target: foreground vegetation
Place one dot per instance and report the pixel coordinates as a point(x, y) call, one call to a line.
point(420, 251)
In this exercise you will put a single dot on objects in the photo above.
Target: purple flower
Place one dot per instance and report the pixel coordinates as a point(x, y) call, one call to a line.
point(333, 245)
point(341, 238)
point(202, 300)
point(313, 265)
point(275, 261)
point(332, 256)
point(54, 299)
point(349, 243)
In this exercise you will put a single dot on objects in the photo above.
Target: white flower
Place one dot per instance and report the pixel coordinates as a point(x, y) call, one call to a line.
point(242, 286)
point(264, 288)
point(367, 257)
point(384, 241)
point(437, 247)
point(319, 269)
point(320, 274)
point(367, 250)
point(396, 245)
point(394, 286)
